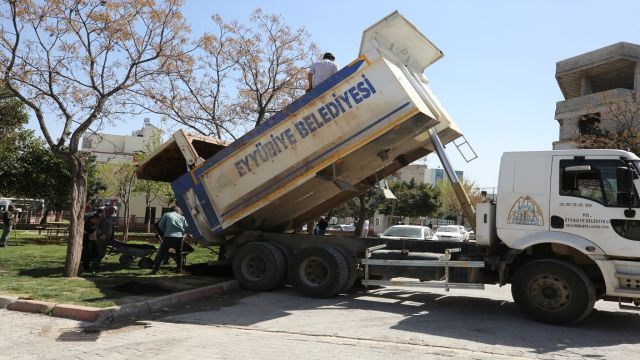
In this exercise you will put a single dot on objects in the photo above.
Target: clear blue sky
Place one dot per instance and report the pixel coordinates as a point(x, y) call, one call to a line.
point(497, 77)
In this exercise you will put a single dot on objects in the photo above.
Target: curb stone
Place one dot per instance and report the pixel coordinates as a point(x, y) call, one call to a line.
point(31, 306)
point(108, 315)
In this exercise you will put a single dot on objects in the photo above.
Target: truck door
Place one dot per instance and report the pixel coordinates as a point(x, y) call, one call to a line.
point(584, 201)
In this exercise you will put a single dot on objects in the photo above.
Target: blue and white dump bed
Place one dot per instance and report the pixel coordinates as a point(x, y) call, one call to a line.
point(362, 124)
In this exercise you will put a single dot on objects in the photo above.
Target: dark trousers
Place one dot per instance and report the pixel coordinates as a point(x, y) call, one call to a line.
point(163, 253)
point(88, 253)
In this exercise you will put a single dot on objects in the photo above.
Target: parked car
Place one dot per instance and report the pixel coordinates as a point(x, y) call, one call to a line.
point(341, 229)
point(408, 232)
point(451, 233)
point(472, 234)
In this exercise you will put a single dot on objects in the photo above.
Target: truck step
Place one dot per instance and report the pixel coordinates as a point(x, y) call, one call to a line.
point(629, 291)
point(424, 284)
point(436, 263)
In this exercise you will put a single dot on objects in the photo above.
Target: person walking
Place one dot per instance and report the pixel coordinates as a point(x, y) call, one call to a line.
point(321, 70)
point(7, 224)
point(174, 228)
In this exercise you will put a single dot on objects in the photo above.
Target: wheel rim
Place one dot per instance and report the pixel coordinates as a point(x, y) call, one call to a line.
point(254, 267)
point(314, 271)
point(549, 292)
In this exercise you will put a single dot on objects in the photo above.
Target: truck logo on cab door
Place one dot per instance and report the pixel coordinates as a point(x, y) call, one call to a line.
point(525, 211)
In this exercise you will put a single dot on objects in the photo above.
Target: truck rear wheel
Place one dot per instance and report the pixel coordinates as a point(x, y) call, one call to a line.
point(553, 291)
point(319, 271)
point(351, 267)
point(259, 266)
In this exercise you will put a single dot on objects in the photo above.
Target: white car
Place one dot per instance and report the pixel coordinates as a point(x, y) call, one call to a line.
point(341, 229)
point(415, 232)
point(451, 233)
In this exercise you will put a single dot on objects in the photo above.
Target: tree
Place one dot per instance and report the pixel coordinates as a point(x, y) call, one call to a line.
point(77, 62)
point(26, 157)
point(12, 115)
point(451, 208)
point(236, 76)
point(272, 58)
point(121, 182)
point(622, 129)
point(412, 200)
point(151, 190)
point(196, 93)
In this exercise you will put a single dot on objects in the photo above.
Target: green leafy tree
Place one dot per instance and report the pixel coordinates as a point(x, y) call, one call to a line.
point(13, 116)
point(412, 200)
point(451, 208)
point(150, 190)
point(121, 181)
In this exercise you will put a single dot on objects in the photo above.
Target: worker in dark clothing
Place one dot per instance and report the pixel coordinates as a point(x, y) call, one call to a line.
point(89, 238)
point(7, 224)
point(173, 227)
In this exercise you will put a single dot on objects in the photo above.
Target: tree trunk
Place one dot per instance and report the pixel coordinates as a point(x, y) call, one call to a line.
point(125, 231)
point(44, 219)
point(148, 211)
point(76, 229)
point(363, 215)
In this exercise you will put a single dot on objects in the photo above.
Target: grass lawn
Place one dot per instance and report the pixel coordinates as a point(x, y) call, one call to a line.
point(35, 271)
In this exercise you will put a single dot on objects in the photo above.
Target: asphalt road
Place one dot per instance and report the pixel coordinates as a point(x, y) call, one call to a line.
point(388, 323)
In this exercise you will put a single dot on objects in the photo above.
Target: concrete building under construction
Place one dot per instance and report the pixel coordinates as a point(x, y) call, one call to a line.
point(596, 86)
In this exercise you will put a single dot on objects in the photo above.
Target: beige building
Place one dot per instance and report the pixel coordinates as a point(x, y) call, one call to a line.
point(109, 148)
point(590, 83)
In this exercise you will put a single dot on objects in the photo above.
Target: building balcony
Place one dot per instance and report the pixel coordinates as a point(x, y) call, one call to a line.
point(592, 103)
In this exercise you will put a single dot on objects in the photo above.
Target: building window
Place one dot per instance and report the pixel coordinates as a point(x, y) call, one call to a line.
point(87, 143)
point(589, 124)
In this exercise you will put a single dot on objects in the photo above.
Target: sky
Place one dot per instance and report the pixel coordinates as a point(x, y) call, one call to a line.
point(497, 78)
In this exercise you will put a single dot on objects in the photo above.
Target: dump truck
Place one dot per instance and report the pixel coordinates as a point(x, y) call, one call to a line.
point(563, 230)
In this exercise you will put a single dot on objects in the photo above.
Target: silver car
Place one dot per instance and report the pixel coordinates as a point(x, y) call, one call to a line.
point(451, 233)
point(415, 232)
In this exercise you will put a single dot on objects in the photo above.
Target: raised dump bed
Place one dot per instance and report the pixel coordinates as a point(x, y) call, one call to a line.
point(362, 124)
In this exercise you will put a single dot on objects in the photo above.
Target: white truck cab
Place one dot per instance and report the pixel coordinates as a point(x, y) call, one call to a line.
point(573, 211)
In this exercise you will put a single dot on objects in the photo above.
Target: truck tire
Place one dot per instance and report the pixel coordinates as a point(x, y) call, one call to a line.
point(259, 266)
point(553, 291)
point(319, 271)
point(351, 267)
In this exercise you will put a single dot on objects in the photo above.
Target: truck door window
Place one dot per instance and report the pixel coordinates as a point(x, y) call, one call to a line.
point(591, 179)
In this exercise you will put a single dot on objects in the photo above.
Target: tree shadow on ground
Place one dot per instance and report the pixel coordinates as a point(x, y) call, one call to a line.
point(482, 321)
point(120, 288)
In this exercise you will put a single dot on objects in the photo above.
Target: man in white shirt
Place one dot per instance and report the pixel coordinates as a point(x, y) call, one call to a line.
point(321, 70)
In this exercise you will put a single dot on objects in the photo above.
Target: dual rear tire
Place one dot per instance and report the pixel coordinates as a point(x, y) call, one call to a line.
point(316, 271)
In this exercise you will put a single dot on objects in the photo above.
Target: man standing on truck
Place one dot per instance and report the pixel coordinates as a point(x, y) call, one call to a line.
point(321, 70)
point(7, 224)
point(173, 227)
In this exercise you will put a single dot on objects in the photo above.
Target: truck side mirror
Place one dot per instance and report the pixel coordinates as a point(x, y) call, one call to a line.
point(624, 177)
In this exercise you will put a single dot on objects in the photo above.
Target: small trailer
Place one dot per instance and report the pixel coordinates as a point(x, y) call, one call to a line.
point(563, 230)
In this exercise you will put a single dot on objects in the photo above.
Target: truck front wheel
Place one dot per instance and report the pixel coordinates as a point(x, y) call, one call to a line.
point(259, 266)
point(553, 291)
